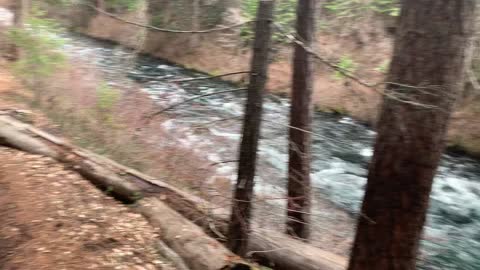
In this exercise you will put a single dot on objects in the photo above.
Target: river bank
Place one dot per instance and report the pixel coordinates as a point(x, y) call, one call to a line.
point(368, 49)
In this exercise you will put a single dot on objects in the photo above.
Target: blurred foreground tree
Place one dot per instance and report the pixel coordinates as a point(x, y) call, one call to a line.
point(427, 67)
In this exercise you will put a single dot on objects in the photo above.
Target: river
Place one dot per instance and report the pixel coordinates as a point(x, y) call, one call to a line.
point(342, 149)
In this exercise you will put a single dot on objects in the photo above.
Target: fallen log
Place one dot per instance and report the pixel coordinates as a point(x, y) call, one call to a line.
point(185, 237)
point(195, 247)
point(21, 141)
point(275, 249)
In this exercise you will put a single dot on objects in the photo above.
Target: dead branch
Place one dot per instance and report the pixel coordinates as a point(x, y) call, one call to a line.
point(347, 74)
point(209, 77)
point(152, 115)
point(203, 125)
point(223, 162)
point(151, 27)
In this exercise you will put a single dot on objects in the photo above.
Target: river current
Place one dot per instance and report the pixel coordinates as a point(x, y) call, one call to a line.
point(342, 149)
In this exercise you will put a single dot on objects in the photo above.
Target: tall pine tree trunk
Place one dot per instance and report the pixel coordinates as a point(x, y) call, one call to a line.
point(429, 54)
point(239, 226)
point(301, 110)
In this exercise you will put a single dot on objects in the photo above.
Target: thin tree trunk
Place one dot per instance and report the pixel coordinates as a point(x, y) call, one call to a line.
point(239, 226)
point(429, 53)
point(301, 112)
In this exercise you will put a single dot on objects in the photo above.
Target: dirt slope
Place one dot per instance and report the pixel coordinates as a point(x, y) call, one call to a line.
point(54, 219)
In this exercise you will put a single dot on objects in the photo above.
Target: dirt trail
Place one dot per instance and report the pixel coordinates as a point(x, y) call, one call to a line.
point(52, 218)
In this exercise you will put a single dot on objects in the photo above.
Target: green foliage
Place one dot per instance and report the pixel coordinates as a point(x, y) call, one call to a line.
point(107, 99)
point(59, 2)
point(122, 5)
point(347, 65)
point(40, 44)
point(350, 9)
point(383, 67)
point(157, 20)
point(388, 7)
point(285, 13)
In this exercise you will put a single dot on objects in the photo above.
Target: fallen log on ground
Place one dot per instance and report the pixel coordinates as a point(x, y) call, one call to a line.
point(281, 252)
point(195, 247)
point(183, 236)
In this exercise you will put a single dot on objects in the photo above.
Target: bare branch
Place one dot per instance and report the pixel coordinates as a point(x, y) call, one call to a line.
point(203, 125)
point(349, 75)
point(151, 27)
point(149, 117)
point(223, 162)
point(209, 77)
point(250, 253)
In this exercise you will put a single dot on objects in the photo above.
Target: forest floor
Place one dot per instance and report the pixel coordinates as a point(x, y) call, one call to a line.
point(52, 218)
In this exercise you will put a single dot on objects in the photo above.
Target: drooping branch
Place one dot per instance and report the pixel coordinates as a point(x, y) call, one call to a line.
point(151, 116)
point(209, 77)
point(154, 28)
point(347, 74)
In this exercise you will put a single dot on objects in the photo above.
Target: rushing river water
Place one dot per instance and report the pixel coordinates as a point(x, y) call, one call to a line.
point(342, 149)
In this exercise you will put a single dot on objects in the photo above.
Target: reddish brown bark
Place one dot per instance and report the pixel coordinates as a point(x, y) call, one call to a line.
point(301, 118)
point(429, 54)
point(239, 226)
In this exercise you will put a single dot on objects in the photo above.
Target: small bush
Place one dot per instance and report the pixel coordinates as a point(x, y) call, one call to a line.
point(40, 51)
point(383, 67)
point(347, 65)
point(122, 5)
point(40, 44)
point(106, 101)
point(350, 9)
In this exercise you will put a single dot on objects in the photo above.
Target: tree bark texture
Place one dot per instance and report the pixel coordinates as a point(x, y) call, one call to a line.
point(241, 207)
point(427, 67)
point(301, 112)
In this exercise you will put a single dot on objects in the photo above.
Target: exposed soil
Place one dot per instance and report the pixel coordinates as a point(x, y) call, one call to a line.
point(52, 218)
